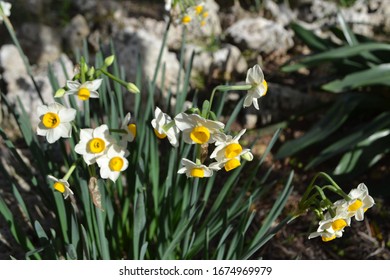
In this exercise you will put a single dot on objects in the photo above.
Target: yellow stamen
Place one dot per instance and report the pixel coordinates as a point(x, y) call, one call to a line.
point(83, 94)
point(116, 164)
point(133, 129)
point(326, 239)
point(205, 14)
point(199, 9)
point(233, 150)
point(59, 187)
point(160, 135)
point(339, 224)
point(202, 23)
point(51, 120)
point(197, 172)
point(200, 135)
point(355, 206)
point(231, 164)
point(96, 145)
point(264, 83)
point(186, 19)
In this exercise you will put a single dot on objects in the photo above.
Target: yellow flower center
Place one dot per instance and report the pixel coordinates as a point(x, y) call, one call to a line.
point(133, 129)
point(160, 135)
point(326, 239)
point(198, 9)
point(116, 164)
point(264, 83)
point(96, 145)
point(339, 224)
point(186, 19)
point(231, 164)
point(197, 172)
point(233, 150)
point(202, 23)
point(83, 94)
point(205, 14)
point(50, 120)
point(200, 135)
point(59, 187)
point(355, 206)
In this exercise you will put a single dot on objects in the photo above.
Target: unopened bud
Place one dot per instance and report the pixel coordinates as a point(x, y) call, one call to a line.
point(91, 71)
point(59, 93)
point(247, 156)
point(132, 88)
point(109, 60)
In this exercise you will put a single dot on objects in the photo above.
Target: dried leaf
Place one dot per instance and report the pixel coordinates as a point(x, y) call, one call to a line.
point(95, 193)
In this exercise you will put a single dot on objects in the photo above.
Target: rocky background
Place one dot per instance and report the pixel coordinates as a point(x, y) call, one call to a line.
point(238, 35)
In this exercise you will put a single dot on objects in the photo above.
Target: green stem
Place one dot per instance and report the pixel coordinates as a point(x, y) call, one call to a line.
point(225, 88)
point(71, 169)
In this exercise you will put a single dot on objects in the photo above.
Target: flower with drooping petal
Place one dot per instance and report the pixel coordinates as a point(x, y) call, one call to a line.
point(93, 143)
point(55, 121)
point(61, 185)
point(191, 169)
point(227, 146)
point(230, 163)
point(164, 126)
point(255, 78)
point(198, 130)
point(130, 128)
point(359, 203)
point(228, 152)
point(84, 91)
point(6, 8)
point(113, 162)
point(331, 228)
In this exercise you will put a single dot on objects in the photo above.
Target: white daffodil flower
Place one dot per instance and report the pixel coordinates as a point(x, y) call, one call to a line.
point(61, 185)
point(192, 169)
point(331, 228)
point(55, 121)
point(113, 162)
point(197, 129)
point(84, 91)
point(6, 8)
point(230, 163)
point(359, 203)
point(164, 126)
point(255, 77)
point(93, 143)
point(130, 128)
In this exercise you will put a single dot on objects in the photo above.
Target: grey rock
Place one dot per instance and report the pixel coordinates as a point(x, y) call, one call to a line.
point(41, 43)
point(75, 32)
point(19, 85)
point(140, 47)
point(260, 35)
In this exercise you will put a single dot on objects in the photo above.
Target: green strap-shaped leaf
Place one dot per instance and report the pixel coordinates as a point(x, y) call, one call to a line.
point(334, 118)
point(336, 54)
point(352, 139)
point(378, 75)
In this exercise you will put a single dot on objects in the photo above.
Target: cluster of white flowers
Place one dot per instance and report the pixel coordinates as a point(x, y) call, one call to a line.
point(198, 130)
point(95, 145)
point(189, 13)
point(344, 210)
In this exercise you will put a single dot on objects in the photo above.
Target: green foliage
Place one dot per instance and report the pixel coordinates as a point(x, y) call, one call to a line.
point(151, 212)
point(355, 128)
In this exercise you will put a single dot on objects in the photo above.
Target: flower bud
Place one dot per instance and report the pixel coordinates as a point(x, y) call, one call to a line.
point(132, 88)
point(109, 60)
point(59, 93)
